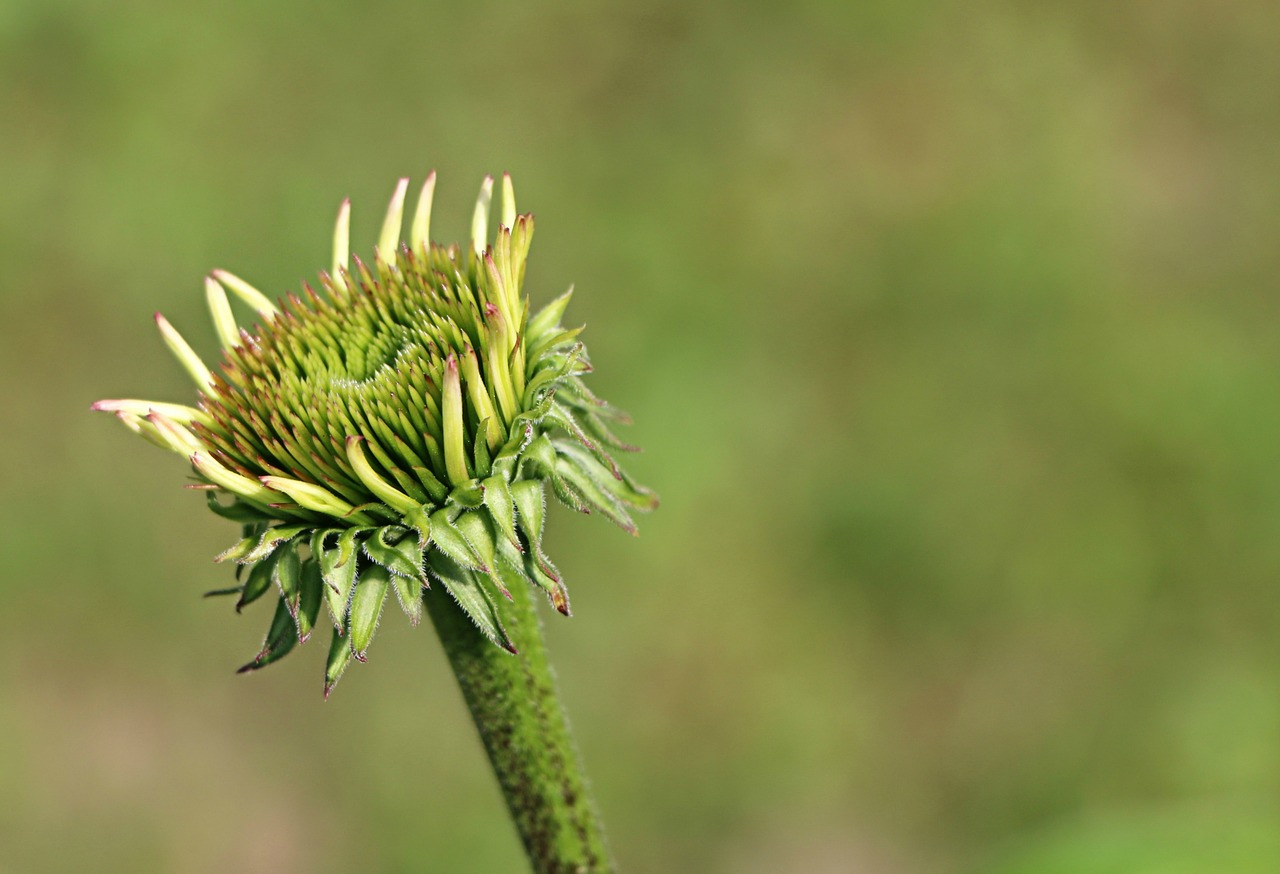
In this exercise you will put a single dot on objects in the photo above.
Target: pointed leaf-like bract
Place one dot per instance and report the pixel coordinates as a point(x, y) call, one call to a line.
point(287, 574)
point(366, 607)
point(549, 316)
point(281, 638)
point(258, 582)
point(409, 594)
point(421, 522)
point(475, 528)
point(594, 494)
point(309, 599)
point(566, 493)
point(449, 540)
point(531, 504)
point(497, 498)
point(465, 589)
point(347, 546)
point(397, 551)
point(339, 658)
point(268, 542)
point(339, 576)
point(616, 482)
point(468, 495)
point(237, 552)
point(547, 578)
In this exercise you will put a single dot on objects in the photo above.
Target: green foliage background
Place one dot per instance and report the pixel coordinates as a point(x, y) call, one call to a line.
point(950, 331)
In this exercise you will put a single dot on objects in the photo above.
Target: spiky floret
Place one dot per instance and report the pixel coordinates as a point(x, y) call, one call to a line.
point(395, 424)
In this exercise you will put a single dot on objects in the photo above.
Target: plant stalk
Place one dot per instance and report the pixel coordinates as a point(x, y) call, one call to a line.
point(513, 701)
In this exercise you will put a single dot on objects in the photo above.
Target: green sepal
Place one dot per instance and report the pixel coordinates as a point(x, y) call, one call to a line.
point(409, 594)
point(257, 545)
point(547, 578)
point(281, 638)
point(593, 493)
point(469, 495)
point(449, 540)
point(347, 545)
point(498, 500)
point(504, 465)
point(574, 392)
point(394, 549)
point(338, 569)
point(549, 342)
point(271, 539)
point(528, 419)
point(594, 425)
point(551, 373)
point(621, 486)
point(366, 607)
point(258, 582)
point(471, 597)
point(537, 571)
point(549, 316)
point(309, 600)
point(568, 494)
point(287, 575)
point(339, 658)
point(475, 528)
point(561, 418)
point(419, 520)
point(539, 457)
point(237, 552)
point(539, 463)
point(510, 558)
point(522, 569)
point(531, 504)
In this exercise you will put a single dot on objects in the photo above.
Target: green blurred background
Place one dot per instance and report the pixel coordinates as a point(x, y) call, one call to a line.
point(950, 331)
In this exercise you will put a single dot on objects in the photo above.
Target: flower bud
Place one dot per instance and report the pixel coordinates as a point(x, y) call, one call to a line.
point(395, 425)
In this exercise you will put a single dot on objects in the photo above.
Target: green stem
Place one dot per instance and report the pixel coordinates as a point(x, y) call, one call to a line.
point(513, 702)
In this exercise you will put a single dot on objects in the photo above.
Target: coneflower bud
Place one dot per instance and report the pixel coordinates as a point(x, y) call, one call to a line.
point(392, 426)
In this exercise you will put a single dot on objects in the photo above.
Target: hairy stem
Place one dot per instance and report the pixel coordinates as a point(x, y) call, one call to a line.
point(513, 702)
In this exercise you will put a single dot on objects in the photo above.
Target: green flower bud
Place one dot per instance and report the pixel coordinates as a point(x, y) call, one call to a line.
point(392, 426)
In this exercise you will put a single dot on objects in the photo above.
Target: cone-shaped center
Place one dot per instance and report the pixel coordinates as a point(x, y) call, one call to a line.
point(365, 358)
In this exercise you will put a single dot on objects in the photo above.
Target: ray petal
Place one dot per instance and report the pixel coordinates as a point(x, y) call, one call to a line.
point(390, 236)
point(420, 233)
point(480, 219)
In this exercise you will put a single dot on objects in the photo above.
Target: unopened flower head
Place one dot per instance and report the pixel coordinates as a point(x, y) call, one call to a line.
point(394, 426)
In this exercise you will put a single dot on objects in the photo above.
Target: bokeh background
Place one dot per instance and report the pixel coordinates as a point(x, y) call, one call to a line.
point(950, 331)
